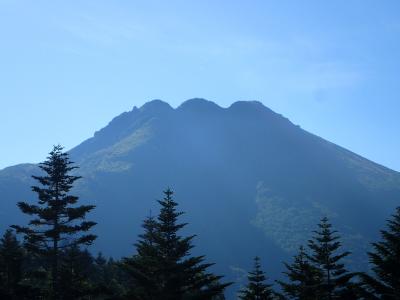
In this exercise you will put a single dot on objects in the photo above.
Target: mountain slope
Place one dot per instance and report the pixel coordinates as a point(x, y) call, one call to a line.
point(251, 182)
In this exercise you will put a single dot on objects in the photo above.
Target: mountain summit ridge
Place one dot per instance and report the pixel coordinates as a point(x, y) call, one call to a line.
point(124, 123)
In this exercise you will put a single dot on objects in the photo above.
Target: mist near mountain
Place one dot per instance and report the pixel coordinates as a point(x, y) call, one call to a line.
point(250, 181)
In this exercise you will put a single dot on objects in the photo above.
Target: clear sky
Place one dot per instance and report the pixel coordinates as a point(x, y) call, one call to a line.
point(68, 67)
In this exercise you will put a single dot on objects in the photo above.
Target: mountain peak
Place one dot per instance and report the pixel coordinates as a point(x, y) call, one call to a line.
point(252, 109)
point(156, 105)
point(199, 105)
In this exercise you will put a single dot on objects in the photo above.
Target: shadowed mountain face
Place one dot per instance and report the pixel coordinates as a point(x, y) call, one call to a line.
point(251, 182)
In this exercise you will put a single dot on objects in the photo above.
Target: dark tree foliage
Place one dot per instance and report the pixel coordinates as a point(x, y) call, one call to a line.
point(145, 265)
point(57, 222)
point(75, 271)
point(108, 279)
point(257, 288)
point(162, 267)
point(303, 278)
point(385, 260)
point(11, 264)
point(335, 280)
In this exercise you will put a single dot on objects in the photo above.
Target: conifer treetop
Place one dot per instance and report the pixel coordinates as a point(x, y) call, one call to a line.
point(257, 288)
point(385, 260)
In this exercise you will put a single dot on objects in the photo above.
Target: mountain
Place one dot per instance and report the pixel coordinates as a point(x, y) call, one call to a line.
point(250, 181)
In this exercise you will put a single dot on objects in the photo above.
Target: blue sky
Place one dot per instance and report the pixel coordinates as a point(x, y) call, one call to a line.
point(68, 67)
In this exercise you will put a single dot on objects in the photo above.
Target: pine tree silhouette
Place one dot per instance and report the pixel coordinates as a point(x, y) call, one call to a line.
point(143, 267)
point(256, 288)
point(386, 263)
point(162, 267)
point(58, 224)
point(334, 278)
point(303, 278)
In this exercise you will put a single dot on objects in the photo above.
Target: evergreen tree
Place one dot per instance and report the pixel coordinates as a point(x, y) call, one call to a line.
point(386, 263)
point(145, 265)
point(334, 279)
point(11, 263)
point(256, 288)
point(57, 224)
point(162, 267)
point(303, 278)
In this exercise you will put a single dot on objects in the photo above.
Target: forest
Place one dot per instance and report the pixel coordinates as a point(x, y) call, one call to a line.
point(50, 258)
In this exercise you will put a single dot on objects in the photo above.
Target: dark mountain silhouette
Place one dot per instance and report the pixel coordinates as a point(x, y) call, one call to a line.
point(251, 182)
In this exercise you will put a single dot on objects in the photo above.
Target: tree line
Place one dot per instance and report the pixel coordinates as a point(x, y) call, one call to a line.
point(52, 260)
